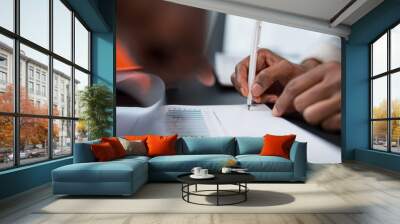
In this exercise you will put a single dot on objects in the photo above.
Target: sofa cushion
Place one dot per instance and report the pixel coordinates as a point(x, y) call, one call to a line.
point(257, 163)
point(185, 163)
point(206, 145)
point(249, 145)
point(112, 171)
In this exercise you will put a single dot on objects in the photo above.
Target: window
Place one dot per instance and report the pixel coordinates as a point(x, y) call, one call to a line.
point(41, 123)
point(30, 87)
point(44, 91)
point(3, 78)
point(62, 74)
point(37, 74)
point(81, 45)
point(34, 21)
point(385, 94)
point(30, 72)
point(7, 14)
point(3, 61)
point(62, 31)
point(6, 73)
point(38, 89)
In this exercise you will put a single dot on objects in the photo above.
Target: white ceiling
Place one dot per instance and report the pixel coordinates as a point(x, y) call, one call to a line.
point(320, 9)
point(315, 15)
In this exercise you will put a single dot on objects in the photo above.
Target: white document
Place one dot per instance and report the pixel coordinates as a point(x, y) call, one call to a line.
point(222, 120)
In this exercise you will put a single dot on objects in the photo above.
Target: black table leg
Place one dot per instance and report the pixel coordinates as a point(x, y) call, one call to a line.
point(245, 193)
point(217, 194)
point(195, 188)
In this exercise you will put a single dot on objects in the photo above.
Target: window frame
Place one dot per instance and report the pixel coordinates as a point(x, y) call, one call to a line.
point(16, 114)
point(388, 74)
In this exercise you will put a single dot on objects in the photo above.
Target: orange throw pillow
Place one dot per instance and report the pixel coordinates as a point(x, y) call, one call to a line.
point(277, 145)
point(116, 145)
point(103, 152)
point(161, 145)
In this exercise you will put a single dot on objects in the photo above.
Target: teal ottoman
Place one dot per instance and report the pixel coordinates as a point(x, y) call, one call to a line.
point(119, 177)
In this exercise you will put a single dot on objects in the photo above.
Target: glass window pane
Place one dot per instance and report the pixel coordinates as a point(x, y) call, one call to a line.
point(6, 142)
point(34, 96)
point(62, 138)
point(81, 45)
point(395, 136)
point(62, 29)
point(33, 139)
point(81, 81)
point(34, 21)
point(62, 89)
point(7, 14)
point(395, 47)
point(379, 97)
point(81, 131)
point(379, 56)
point(6, 74)
point(395, 94)
point(379, 135)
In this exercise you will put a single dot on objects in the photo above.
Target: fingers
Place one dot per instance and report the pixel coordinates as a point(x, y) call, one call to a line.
point(294, 88)
point(281, 71)
point(266, 98)
point(333, 123)
point(239, 78)
point(313, 95)
point(322, 110)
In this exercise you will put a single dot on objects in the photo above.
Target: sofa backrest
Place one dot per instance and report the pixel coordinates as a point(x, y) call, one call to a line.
point(249, 145)
point(206, 145)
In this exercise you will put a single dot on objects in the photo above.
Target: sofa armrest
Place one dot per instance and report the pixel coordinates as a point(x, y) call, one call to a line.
point(83, 152)
point(298, 155)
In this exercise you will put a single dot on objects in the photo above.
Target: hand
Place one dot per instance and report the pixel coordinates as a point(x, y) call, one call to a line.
point(316, 94)
point(272, 74)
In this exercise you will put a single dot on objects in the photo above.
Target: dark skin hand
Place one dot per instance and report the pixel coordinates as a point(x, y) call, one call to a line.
point(313, 88)
point(272, 74)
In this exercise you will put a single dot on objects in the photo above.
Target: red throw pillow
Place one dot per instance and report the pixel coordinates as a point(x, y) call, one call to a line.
point(277, 145)
point(116, 145)
point(103, 152)
point(161, 145)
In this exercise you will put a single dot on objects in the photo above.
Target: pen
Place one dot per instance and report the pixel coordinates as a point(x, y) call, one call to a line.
point(253, 61)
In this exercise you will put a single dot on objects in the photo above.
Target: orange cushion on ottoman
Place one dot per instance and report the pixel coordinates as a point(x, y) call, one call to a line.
point(277, 145)
point(161, 145)
point(103, 152)
point(116, 145)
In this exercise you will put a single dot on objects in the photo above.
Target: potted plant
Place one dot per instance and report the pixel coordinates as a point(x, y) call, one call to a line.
point(96, 103)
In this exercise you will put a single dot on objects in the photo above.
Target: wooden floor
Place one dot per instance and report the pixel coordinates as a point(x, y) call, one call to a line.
point(379, 189)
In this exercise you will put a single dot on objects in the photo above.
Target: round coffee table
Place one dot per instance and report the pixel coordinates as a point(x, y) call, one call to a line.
point(238, 179)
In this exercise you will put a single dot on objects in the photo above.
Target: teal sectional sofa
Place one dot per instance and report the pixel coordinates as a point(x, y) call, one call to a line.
point(125, 176)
